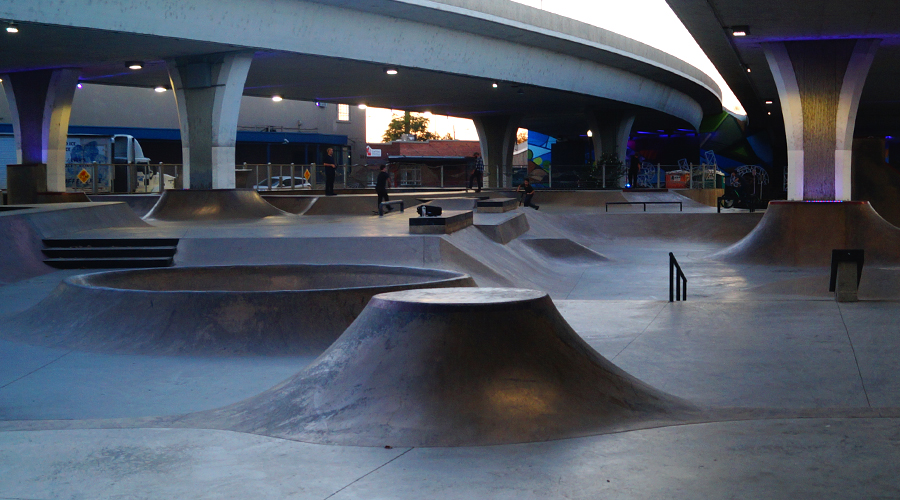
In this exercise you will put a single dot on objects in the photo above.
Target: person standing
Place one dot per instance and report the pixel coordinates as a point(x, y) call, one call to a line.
point(381, 187)
point(528, 189)
point(330, 168)
point(633, 170)
point(477, 173)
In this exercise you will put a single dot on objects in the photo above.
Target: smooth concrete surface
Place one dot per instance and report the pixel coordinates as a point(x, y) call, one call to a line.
point(211, 205)
point(800, 391)
point(803, 233)
point(215, 310)
point(453, 367)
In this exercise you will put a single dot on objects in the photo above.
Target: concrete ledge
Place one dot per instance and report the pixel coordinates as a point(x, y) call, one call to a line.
point(449, 222)
point(497, 205)
point(503, 228)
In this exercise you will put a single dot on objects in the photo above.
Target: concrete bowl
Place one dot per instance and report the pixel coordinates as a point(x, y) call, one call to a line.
point(227, 310)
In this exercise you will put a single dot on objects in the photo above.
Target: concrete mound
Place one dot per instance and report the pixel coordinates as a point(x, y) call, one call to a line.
point(453, 367)
point(804, 234)
point(564, 249)
point(234, 310)
point(212, 205)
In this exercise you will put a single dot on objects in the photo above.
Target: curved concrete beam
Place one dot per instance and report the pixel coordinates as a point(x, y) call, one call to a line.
point(495, 39)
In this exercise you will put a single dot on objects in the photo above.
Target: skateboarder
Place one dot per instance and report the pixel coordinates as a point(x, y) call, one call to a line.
point(528, 190)
point(381, 186)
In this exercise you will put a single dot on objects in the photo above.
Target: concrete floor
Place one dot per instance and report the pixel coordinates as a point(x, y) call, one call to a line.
point(809, 389)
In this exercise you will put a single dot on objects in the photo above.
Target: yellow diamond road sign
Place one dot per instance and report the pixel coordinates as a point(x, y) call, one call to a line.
point(84, 176)
point(306, 174)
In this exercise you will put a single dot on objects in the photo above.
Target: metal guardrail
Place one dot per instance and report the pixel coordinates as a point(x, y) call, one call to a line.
point(677, 281)
point(645, 203)
point(387, 204)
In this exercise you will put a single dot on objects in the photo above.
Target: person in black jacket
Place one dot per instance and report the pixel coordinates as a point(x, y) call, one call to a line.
point(330, 168)
point(528, 189)
point(381, 186)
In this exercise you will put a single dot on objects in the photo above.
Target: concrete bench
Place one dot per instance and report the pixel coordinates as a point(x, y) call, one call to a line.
point(497, 205)
point(387, 204)
point(448, 222)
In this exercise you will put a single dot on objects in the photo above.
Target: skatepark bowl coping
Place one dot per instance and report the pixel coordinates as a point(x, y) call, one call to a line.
point(221, 310)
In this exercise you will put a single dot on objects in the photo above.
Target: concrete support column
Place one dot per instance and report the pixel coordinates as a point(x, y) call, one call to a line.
point(208, 92)
point(497, 135)
point(611, 130)
point(40, 103)
point(819, 83)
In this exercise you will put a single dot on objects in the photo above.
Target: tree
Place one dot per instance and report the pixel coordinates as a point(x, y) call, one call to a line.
point(408, 124)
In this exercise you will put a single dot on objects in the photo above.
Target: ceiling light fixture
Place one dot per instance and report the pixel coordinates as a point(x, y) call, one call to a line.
point(590, 133)
point(277, 98)
point(391, 71)
point(740, 30)
point(494, 85)
point(160, 89)
point(78, 86)
point(768, 102)
point(12, 28)
point(362, 106)
point(135, 65)
point(746, 67)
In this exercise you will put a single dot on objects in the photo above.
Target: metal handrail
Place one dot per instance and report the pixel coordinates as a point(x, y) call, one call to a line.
point(677, 279)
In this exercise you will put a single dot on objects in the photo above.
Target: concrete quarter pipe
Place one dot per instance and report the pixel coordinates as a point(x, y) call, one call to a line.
point(797, 233)
point(212, 205)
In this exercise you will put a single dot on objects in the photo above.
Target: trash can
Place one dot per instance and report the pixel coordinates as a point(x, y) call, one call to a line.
point(677, 179)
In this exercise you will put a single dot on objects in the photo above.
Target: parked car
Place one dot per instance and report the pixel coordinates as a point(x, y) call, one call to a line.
point(281, 183)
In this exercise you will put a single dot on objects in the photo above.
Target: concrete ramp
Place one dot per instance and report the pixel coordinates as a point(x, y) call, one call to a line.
point(452, 367)
point(454, 203)
point(23, 229)
point(211, 205)
point(804, 234)
point(564, 250)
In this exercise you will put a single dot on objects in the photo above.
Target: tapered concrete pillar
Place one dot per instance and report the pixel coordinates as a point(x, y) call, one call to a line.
point(40, 103)
point(497, 135)
point(819, 83)
point(611, 130)
point(208, 92)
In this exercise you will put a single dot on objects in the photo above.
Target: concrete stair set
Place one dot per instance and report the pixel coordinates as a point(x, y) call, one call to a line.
point(111, 253)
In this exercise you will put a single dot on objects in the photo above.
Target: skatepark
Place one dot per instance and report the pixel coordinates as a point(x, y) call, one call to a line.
point(576, 378)
point(216, 341)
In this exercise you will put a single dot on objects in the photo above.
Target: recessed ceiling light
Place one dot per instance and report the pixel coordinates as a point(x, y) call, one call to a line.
point(277, 98)
point(391, 71)
point(494, 85)
point(135, 65)
point(12, 28)
point(768, 102)
point(740, 30)
point(770, 113)
point(746, 67)
point(160, 89)
point(590, 133)
point(78, 86)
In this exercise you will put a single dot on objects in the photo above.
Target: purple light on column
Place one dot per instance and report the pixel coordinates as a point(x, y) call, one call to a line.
point(78, 86)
